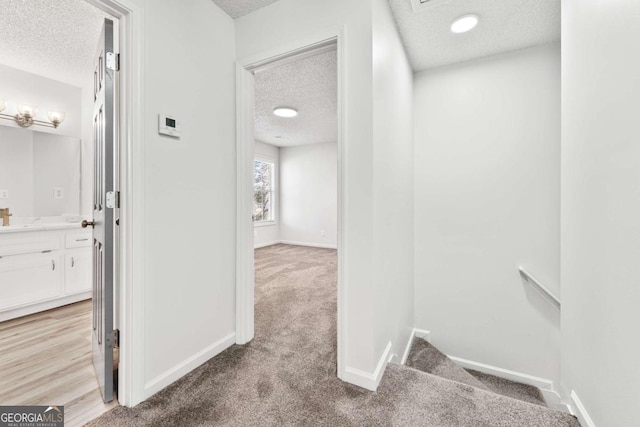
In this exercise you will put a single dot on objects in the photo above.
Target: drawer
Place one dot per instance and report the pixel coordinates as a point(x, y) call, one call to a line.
point(31, 242)
point(78, 240)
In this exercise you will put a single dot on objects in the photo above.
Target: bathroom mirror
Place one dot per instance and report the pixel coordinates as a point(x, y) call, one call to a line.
point(39, 173)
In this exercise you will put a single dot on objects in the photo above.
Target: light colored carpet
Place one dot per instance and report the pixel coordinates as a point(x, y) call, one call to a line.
point(515, 390)
point(287, 375)
point(425, 357)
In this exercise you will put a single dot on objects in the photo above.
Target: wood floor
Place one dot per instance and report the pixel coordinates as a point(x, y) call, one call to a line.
point(45, 359)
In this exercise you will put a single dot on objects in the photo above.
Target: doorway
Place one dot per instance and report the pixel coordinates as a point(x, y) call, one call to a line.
point(246, 79)
point(72, 267)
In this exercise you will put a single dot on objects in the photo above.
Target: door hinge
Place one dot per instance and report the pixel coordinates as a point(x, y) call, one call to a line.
point(116, 338)
point(113, 199)
point(113, 61)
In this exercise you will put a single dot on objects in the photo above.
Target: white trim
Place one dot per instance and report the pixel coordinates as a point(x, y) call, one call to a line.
point(580, 411)
point(188, 365)
point(43, 305)
point(288, 242)
point(245, 142)
point(415, 332)
point(542, 289)
point(264, 245)
point(132, 119)
point(271, 223)
point(546, 386)
point(312, 245)
point(367, 380)
point(244, 149)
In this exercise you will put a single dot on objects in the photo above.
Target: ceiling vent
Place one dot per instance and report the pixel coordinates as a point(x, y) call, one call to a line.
point(424, 5)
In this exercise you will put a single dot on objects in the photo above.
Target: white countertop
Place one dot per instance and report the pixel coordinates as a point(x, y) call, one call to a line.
point(22, 228)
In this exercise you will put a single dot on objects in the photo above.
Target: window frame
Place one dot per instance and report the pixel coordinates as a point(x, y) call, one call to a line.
point(274, 203)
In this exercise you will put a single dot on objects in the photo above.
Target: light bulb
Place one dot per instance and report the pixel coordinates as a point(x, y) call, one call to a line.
point(28, 110)
point(285, 112)
point(464, 23)
point(57, 117)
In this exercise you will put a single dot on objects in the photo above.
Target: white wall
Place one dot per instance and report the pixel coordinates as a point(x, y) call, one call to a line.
point(601, 207)
point(16, 170)
point(487, 181)
point(393, 183)
point(189, 188)
point(17, 86)
point(309, 195)
point(268, 234)
point(276, 26)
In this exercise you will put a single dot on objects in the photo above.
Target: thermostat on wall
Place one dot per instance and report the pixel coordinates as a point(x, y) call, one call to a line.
point(168, 125)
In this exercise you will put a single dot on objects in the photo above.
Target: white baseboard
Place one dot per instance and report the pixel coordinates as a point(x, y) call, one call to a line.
point(312, 245)
point(264, 245)
point(27, 309)
point(551, 396)
point(188, 365)
point(288, 242)
point(420, 333)
point(368, 380)
point(580, 411)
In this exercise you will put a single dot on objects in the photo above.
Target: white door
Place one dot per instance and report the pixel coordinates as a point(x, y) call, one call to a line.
point(104, 210)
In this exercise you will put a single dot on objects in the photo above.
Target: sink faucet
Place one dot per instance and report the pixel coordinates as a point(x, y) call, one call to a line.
point(4, 214)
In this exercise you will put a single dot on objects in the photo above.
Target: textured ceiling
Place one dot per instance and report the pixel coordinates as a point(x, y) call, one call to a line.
point(505, 25)
point(310, 86)
point(238, 8)
point(55, 39)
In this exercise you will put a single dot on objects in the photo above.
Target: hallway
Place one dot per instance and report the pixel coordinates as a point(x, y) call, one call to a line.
point(287, 374)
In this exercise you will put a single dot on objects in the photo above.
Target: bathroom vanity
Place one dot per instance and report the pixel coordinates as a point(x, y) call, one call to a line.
point(43, 266)
point(45, 256)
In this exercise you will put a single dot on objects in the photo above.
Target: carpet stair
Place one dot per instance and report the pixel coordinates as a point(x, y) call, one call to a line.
point(515, 390)
point(425, 357)
point(442, 402)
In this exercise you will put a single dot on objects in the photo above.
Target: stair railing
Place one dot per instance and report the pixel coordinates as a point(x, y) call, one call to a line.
point(540, 287)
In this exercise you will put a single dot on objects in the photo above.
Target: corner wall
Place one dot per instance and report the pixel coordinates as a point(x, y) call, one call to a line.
point(392, 184)
point(487, 180)
point(601, 209)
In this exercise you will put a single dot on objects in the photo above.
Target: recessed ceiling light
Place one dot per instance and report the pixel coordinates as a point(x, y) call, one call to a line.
point(285, 112)
point(464, 23)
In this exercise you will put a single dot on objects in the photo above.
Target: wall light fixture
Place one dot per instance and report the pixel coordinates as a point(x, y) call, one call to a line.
point(26, 116)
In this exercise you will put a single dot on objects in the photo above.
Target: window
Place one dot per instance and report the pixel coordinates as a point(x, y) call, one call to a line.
point(263, 191)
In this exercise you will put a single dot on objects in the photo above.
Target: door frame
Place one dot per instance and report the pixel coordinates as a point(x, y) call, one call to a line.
point(130, 297)
point(245, 280)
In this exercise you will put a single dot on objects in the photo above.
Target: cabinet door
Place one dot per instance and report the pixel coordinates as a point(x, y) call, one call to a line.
point(30, 278)
point(78, 267)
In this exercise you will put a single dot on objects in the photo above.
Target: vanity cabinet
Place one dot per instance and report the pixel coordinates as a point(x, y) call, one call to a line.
point(78, 267)
point(44, 269)
point(28, 278)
